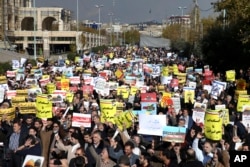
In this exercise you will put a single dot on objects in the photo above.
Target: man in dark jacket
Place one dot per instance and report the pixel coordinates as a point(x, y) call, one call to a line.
point(191, 160)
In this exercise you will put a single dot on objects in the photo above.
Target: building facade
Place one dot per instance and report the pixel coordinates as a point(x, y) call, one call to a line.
point(46, 29)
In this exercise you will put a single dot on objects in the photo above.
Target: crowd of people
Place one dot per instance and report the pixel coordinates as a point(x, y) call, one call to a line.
point(104, 144)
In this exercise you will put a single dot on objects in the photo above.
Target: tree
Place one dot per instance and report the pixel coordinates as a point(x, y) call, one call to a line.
point(172, 32)
point(132, 37)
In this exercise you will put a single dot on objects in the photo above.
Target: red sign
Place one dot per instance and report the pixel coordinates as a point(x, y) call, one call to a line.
point(148, 97)
point(80, 119)
point(174, 83)
point(87, 89)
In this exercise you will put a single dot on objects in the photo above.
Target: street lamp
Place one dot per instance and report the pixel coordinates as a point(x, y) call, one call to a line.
point(111, 15)
point(77, 27)
point(182, 8)
point(34, 5)
point(99, 26)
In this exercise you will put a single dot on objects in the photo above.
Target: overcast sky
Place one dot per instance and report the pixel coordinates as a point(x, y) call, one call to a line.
point(128, 11)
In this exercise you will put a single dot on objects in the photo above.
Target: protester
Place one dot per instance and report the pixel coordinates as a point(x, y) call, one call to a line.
point(126, 105)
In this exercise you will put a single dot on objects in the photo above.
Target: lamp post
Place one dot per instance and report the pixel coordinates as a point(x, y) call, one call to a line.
point(34, 5)
point(99, 26)
point(77, 27)
point(181, 8)
point(111, 29)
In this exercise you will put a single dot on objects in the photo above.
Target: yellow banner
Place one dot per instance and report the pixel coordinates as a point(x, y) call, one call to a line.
point(50, 88)
point(175, 69)
point(165, 71)
point(124, 119)
point(108, 110)
point(65, 84)
point(161, 88)
point(119, 74)
point(22, 92)
point(230, 75)
point(165, 98)
point(27, 108)
point(242, 100)
point(9, 112)
point(133, 90)
point(189, 95)
point(15, 100)
point(240, 92)
point(213, 126)
point(45, 76)
point(225, 120)
point(123, 91)
point(69, 96)
point(43, 106)
point(181, 77)
point(3, 80)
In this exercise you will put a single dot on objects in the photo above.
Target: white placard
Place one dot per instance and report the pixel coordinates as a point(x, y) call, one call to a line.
point(151, 124)
point(80, 119)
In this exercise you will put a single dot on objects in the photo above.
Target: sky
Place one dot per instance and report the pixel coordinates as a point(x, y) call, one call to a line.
point(128, 11)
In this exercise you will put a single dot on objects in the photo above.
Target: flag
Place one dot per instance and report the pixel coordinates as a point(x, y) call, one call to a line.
point(150, 10)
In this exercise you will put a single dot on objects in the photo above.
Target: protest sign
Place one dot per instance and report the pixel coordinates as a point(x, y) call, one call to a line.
point(189, 94)
point(148, 97)
point(124, 91)
point(149, 108)
point(87, 89)
point(80, 119)
point(242, 100)
point(213, 125)
point(51, 87)
point(108, 110)
point(230, 75)
point(174, 134)
point(65, 84)
point(43, 106)
point(124, 119)
point(9, 112)
point(198, 115)
point(27, 108)
point(151, 124)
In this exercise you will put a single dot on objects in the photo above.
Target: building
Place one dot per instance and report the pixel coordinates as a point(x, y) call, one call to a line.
point(44, 29)
point(175, 19)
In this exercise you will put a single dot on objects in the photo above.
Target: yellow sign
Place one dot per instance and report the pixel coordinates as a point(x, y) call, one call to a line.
point(230, 75)
point(189, 95)
point(119, 74)
point(165, 71)
point(43, 106)
point(124, 119)
point(3, 80)
point(27, 108)
point(225, 120)
point(108, 110)
point(123, 91)
point(213, 126)
point(65, 84)
point(133, 90)
point(175, 69)
point(45, 76)
point(69, 96)
point(240, 92)
point(242, 100)
point(181, 77)
point(17, 99)
point(22, 92)
point(50, 88)
point(9, 112)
